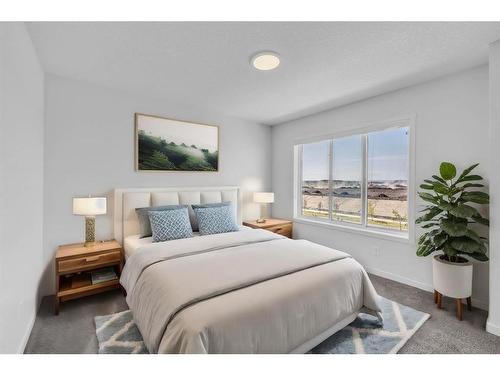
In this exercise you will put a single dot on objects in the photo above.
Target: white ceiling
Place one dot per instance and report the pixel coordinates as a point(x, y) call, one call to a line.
point(206, 65)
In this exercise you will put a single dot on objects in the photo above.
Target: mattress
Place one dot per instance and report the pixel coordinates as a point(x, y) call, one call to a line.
point(133, 243)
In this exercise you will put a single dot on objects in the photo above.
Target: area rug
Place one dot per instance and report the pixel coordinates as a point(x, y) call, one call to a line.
point(117, 333)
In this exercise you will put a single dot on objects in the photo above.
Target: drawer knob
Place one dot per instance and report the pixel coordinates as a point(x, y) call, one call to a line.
point(92, 259)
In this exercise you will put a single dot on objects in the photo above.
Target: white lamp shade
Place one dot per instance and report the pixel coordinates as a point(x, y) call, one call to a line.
point(89, 206)
point(262, 197)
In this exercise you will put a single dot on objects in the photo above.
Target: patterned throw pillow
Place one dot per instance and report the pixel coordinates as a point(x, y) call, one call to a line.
point(213, 220)
point(142, 214)
point(192, 214)
point(170, 224)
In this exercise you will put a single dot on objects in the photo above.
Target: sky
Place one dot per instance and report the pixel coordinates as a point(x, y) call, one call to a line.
point(387, 157)
point(202, 136)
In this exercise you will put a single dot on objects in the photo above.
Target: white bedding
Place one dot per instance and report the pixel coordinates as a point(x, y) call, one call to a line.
point(133, 243)
point(243, 292)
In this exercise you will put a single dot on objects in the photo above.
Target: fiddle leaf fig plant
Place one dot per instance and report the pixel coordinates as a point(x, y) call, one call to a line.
point(448, 215)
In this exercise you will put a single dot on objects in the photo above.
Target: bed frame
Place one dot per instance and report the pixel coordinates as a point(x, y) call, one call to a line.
point(125, 219)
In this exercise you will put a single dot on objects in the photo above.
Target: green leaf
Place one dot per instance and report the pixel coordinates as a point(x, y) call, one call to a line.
point(454, 229)
point(445, 206)
point(434, 232)
point(481, 220)
point(426, 187)
point(469, 185)
point(472, 177)
point(439, 179)
point(463, 211)
point(430, 225)
point(425, 250)
point(441, 189)
point(449, 250)
point(422, 238)
point(465, 245)
point(429, 215)
point(476, 197)
point(428, 197)
point(454, 190)
point(427, 208)
point(482, 248)
point(447, 170)
point(467, 171)
point(439, 239)
point(473, 235)
point(479, 256)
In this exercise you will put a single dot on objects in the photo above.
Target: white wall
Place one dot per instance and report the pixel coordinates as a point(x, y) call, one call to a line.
point(89, 149)
point(451, 124)
point(21, 185)
point(493, 324)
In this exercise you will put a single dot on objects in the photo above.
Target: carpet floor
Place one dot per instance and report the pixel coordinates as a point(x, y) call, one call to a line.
point(118, 334)
point(73, 330)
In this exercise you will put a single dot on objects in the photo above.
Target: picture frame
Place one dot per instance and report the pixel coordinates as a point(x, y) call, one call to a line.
point(163, 144)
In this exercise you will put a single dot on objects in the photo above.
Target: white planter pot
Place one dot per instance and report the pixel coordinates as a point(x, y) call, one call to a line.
point(452, 279)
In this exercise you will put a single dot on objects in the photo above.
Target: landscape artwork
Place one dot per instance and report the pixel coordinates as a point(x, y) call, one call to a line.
point(164, 144)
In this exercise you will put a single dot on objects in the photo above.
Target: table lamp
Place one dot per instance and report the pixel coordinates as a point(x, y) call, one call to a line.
point(89, 207)
point(263, 199)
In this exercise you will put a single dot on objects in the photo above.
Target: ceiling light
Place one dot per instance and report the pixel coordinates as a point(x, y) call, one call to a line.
point(266, 61)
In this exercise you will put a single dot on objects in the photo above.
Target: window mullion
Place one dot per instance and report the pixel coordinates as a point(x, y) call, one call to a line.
point(299, 198)
point(364, 182)
point(330, 180)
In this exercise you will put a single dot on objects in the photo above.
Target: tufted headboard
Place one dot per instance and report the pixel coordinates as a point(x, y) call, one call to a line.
point(126, 201)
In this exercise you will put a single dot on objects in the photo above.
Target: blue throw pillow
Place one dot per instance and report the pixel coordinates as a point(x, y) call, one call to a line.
point(213, 220)
point(193, 218)
point(170, 224)
point(142, 214)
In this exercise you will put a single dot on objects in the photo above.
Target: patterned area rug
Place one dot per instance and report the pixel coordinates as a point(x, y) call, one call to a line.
point(117, 333)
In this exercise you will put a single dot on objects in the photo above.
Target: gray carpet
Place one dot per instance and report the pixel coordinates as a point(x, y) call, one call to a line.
point(118, 334)
point(73, 330)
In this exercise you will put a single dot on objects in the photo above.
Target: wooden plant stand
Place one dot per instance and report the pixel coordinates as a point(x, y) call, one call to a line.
point(438, 299)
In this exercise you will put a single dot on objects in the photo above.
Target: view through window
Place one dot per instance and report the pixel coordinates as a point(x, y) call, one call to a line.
point(315, 179)
point(388, 179)
point(360, 179)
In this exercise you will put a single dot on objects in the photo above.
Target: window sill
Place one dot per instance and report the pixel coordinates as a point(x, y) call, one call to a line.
point(385, 235)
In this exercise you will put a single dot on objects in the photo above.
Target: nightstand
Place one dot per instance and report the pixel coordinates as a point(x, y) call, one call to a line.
point(280, 226)
point(74, 263)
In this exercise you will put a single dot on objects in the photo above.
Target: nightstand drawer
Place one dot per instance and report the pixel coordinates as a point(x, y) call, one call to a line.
point(284, 229)
point(90, 261)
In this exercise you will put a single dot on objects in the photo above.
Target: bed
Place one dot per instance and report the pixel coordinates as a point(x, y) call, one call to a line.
point(250, 291)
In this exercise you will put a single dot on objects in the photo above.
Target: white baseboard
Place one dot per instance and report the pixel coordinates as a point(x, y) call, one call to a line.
point(27, 333)
point(418, 284)
point(492, 328)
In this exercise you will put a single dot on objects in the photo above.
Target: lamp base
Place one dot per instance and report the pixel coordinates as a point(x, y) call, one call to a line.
point(261, 220)
point(89, 231)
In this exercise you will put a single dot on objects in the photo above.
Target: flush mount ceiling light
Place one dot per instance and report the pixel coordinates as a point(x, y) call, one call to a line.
point(265, 60)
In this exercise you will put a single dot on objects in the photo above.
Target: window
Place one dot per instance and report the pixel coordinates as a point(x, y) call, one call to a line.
point(358, 180)
point(315, 179)
point(347, 165)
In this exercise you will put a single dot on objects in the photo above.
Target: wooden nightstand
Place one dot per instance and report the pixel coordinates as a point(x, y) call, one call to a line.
point(280, 226)
point(74, 263)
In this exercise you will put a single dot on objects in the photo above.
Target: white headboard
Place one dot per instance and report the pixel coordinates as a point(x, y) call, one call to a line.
point(126, 201)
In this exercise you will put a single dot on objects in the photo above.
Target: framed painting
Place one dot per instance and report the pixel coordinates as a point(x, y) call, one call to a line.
point(163, 144)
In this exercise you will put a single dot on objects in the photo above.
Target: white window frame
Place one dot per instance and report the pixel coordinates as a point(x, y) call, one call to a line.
point(364, 229)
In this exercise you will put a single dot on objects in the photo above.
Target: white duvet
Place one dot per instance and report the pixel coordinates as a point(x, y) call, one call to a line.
point(242, 292)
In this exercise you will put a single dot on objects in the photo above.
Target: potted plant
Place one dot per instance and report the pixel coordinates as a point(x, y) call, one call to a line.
point(447, 219)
